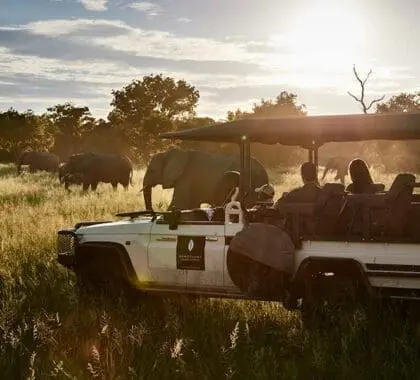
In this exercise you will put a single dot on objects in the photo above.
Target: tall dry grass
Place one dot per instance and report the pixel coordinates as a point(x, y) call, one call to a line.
point(46, 331)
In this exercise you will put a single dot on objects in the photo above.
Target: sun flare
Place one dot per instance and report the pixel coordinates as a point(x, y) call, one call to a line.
point(328, 33)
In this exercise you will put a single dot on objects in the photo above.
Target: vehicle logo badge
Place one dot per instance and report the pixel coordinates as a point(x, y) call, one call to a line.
point(191, 245)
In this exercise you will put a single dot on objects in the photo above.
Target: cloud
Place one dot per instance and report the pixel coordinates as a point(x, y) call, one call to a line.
point(95, 5)
point(84, 59)
point(144, 6)
point(184, 20)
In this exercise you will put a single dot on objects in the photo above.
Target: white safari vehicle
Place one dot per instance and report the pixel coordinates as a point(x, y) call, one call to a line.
point(304, 252)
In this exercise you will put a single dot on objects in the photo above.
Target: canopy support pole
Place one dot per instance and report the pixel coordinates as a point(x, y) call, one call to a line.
point(316, 161)
point(310, 155)
point(245, 157)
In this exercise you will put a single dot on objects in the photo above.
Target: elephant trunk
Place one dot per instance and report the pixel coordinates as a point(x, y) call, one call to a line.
point(147, 193)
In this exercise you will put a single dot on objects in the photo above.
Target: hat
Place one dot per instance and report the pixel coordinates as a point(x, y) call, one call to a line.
point(266, 189)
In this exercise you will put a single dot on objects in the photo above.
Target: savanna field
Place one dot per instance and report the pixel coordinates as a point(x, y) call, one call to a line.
point(46, 331)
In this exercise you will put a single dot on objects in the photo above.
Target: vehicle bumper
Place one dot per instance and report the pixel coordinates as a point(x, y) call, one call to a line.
point(66, 259)
point(66, 243)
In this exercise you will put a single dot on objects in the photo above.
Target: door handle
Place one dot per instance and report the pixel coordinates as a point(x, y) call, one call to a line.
point(166, 238)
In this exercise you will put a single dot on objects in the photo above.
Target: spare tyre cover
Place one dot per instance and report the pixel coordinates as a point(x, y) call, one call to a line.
point(267, 244)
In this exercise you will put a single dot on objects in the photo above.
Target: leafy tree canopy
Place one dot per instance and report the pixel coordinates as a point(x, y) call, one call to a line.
point(285, 104)
point(24, 131)
point(403, 102)
point(147, 107)
point(71, 124)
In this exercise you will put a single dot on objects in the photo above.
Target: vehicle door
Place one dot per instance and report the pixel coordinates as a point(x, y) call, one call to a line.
point(192, 255)
point(200, 251)
point(162, 257)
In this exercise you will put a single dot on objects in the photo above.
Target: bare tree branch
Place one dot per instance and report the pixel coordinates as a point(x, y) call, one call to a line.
point(362, 83)
point(375, 101)
point(354, 96)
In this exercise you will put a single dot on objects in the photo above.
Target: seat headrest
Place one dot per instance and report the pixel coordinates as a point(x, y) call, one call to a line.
point(401, 181)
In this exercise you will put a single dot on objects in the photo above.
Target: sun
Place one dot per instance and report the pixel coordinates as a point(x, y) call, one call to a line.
point(329, 33)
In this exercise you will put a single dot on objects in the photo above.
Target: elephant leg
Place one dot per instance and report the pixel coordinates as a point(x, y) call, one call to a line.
point(182, 198)
point(86, 186)
point(114, 186)
point(125, 182)
point(94, 185)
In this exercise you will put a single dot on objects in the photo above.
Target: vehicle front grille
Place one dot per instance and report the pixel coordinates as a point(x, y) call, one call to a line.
point(66, 241)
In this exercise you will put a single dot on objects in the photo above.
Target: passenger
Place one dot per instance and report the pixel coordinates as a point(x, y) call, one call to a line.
point(362, 182)
point(310, 190)
point(265, 195)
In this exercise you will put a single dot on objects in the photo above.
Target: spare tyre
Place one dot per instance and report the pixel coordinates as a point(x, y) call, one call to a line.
point(260, 261)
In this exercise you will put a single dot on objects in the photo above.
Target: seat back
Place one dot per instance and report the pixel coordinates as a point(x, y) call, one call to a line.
point(399, 197)
point(328, 207)
point(376, 188)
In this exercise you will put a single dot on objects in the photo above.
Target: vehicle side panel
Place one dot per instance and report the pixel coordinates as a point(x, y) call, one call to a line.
point(386, 265)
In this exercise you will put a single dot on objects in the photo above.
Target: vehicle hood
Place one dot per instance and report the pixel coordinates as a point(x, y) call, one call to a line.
point(123, 227)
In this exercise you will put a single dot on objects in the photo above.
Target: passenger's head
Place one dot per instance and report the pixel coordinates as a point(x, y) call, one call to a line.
point(308, 172)
point(359, 172)
point(265, 192)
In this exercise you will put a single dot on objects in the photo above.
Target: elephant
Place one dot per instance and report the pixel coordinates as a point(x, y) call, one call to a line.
point(90, 168)
point(38, 161)
point(195, 177)
point(340, 165)
point(67, 178)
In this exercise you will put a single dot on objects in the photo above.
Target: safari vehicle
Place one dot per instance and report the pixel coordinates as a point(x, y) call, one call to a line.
point(368, 244)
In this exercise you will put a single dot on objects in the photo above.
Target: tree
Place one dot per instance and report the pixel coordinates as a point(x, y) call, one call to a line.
point(24, 131)
point(285, 104)
point(403, 102)
point(362, 83)
point(147, 107)
point(400, 155)
point(104, 138)
point(71, 124)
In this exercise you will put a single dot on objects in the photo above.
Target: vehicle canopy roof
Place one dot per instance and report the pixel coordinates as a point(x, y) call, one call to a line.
point(309, 131)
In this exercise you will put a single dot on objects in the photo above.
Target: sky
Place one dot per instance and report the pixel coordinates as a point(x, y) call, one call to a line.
point(235, 52)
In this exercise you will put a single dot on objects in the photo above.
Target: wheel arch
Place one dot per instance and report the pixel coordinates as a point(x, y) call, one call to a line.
point(106, 260)
point(339, 266)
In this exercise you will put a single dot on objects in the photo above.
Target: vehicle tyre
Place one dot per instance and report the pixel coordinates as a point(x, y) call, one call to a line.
point(93, 290)
point(329, 302)
point(255, 279)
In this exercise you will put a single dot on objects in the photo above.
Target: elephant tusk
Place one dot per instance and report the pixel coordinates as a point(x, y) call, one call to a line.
point(141, 190)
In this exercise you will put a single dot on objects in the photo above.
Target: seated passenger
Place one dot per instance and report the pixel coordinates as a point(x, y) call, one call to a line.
point(310, 190)
point(362, 182)
point(226, 188)
point(265, 195)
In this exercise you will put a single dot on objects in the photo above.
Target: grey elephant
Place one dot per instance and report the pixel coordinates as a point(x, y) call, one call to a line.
point(338, 164)
point(38, 161)
point(68, 178)
point(90, 168)
point(195, 177)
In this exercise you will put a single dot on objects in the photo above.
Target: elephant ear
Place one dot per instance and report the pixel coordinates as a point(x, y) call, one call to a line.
point(175, 163)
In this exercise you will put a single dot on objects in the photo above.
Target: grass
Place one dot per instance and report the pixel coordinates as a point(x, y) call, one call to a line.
point(47, 332)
